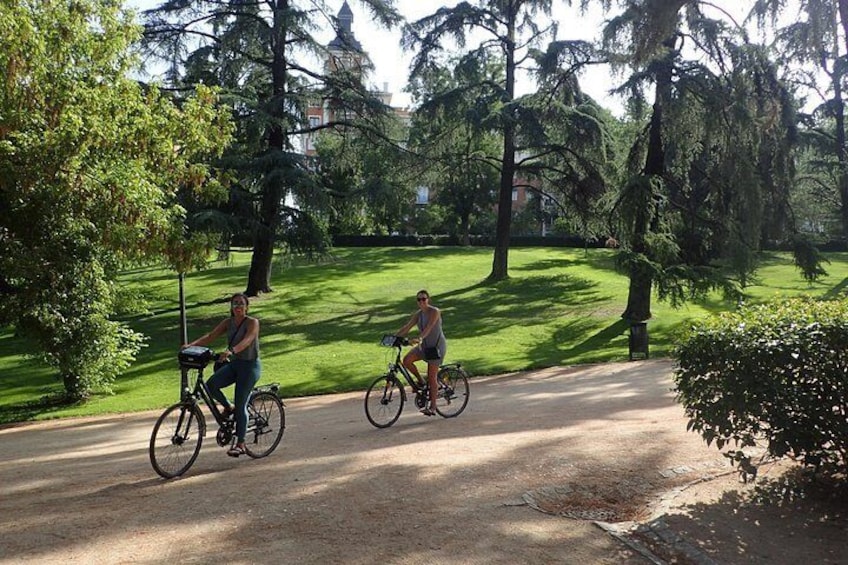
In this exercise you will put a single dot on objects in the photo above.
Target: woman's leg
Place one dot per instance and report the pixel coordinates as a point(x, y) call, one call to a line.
point(247, 376)
point(409, 362)
point(223, 377)
point(432, 372)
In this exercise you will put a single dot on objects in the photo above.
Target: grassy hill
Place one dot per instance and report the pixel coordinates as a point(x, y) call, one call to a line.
point(321, 327)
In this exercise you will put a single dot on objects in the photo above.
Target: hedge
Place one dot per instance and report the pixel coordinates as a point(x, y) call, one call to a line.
point(775, 374)
point(453, 240)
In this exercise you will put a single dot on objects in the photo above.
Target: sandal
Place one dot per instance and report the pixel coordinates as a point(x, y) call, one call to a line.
point(428, 412)
point(235, 451)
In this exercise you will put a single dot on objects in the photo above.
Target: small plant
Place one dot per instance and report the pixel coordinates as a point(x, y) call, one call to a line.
point(775, 374)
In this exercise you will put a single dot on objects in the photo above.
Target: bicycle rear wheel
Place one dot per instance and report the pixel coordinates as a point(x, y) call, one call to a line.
point(266, 423)
point(384, 401)
point(453, 394)
point(176, 439)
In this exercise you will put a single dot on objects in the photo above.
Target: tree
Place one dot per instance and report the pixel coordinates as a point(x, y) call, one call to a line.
point(816, 46)
point(513, 32)
point(453, 137)
point(90, 167)
point(258, 53)
point(715, 156)
point(369, 181)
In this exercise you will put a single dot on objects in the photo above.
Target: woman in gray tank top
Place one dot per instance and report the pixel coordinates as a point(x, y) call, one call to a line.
point(431, 345)
point(242, 369)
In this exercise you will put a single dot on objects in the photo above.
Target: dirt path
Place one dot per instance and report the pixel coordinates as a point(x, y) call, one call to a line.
point(598, 442)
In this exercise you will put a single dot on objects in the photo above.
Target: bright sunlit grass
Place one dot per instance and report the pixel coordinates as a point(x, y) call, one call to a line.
point(322, 324)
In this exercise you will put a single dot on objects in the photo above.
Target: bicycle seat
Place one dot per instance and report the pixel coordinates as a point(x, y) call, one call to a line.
point(195, 357)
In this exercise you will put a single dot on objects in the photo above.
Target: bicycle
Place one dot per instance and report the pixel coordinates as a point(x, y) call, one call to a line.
point(386, 395)
point(179, 431)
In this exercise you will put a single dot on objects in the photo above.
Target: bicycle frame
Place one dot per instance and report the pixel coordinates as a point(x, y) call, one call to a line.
point(397, 366)
point(200, 392)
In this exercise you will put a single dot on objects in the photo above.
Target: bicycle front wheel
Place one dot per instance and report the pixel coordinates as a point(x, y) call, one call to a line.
point(176, 439)
point(384, 401)
point(452, 397)
point(266, 422)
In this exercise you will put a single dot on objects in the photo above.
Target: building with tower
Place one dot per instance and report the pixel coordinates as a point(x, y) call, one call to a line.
point(344, 54)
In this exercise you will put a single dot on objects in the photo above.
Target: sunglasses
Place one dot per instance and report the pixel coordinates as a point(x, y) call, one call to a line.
point(239, 305)
point(421, 298)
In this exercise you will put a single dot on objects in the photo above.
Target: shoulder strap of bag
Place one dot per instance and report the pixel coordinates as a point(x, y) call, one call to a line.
point(230, 341)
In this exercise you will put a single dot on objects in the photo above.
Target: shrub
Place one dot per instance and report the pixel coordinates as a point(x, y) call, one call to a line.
point(776, 374)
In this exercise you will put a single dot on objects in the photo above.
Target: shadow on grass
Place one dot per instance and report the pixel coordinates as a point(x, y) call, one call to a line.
point(25, 411)
point(595, 342)
point(838, 290)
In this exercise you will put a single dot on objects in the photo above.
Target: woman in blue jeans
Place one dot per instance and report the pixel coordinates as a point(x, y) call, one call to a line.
point(243, 368)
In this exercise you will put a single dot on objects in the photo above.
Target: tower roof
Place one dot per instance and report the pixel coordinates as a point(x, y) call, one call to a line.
point(344, 40)
point(345, 11)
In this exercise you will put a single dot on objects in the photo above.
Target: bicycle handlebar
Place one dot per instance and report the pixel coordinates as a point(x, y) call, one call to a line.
point(391, 340)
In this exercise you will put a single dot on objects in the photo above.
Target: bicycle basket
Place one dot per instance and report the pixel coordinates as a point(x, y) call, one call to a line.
point(195, 357)
point(389, 340)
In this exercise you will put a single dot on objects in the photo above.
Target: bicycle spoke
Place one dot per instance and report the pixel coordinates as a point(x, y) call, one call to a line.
point(452, 397)
point(384, 401)
point(266, 424)
point(176, 440)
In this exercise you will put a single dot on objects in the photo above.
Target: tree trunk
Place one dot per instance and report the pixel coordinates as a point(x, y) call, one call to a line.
point(259, 276)
point(273, 191)
point(500, 261)
point(839, 116)
point(841, 157)
point(639, 295)
point(76, 389)
point(464, 236)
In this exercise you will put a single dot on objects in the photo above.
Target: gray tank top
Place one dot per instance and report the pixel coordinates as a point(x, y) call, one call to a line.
point(435, 338)
point(235, 334)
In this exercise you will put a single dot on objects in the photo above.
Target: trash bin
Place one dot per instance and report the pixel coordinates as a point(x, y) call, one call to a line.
point(638, 340)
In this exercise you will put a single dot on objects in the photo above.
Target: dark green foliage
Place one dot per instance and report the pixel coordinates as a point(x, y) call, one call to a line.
point(774, 375)
point(808, 259)
point(261, 57)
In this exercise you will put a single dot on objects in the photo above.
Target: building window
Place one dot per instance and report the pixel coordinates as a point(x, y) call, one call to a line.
point(314, 122)
point(423, 196)
point(514, 194)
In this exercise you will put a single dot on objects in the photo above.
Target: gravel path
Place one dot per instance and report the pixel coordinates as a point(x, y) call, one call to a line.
point(502, 483)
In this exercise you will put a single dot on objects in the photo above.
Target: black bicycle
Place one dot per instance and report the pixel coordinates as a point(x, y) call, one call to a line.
point(386, 396)
point(179, 431)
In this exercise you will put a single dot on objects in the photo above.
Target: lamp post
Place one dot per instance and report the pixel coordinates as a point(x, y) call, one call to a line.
point(183, 325)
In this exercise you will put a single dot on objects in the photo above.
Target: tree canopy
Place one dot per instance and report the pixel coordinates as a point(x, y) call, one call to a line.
point(90, 167)
point(271, 67)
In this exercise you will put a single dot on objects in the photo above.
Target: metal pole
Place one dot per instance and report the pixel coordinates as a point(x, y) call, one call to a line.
point(183, 339)
point(183, 325)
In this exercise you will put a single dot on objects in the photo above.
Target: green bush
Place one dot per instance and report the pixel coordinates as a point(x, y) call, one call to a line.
point(774, 375)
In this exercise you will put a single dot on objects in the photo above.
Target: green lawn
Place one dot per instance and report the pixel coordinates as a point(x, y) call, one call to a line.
point(321, 326)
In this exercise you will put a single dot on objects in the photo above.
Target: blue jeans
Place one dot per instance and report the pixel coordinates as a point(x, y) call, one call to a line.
point(245, 375)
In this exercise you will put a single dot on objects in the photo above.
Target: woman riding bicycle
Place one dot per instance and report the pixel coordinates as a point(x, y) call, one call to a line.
point(241, 364)
point(431, 345)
